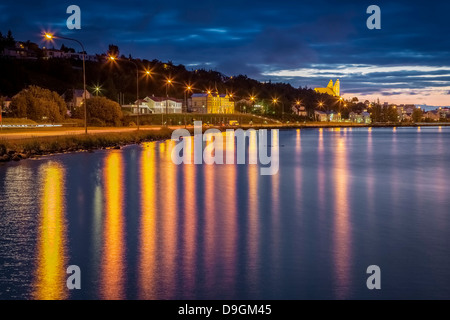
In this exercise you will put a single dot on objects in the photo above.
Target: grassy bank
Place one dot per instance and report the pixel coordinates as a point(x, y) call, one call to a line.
point(18, 149)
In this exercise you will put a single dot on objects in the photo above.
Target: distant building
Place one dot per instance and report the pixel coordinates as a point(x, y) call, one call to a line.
point(333, 116)
point(155, 105)
point(6, 104)
point(320, 116)
point(59, 54)
point(211, 103)
point(360, 117)
point(21, 50)
point(332, 90)
point(74, 98)
point(432, 115)
point(299, 110)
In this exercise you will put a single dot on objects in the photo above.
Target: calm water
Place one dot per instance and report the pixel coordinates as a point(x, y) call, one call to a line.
point(140, 227)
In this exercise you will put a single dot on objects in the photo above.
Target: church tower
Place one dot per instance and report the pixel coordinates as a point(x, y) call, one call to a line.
point(337, 88)
point(330, 84)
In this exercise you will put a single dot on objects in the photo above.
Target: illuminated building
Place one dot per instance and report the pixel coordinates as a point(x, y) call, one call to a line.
point(332, 90)
point(211, 103)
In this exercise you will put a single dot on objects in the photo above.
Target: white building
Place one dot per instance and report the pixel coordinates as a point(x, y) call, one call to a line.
point(156, 105)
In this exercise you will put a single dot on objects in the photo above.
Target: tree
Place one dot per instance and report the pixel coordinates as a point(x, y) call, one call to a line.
point(9, 40)
point(38, 104)
point(417, 115)
point(67, 49)
point(113, 50)
point(391, 114)
point(101, 110)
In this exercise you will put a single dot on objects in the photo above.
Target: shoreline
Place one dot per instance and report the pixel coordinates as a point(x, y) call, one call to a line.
point(33, 147)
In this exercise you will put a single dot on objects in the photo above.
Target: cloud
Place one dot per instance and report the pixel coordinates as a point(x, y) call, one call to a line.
point(301, 43)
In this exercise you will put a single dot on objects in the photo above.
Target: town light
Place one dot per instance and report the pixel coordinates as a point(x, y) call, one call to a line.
point(49, 36)
point(112, 58)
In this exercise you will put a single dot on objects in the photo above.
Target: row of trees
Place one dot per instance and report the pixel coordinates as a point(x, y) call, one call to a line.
point(41, 104)
point(114, 78)
point(6, 41)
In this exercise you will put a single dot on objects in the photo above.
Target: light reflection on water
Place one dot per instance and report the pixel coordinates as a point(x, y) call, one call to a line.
point(113, 268)
point(51, 253)
point(141, 227)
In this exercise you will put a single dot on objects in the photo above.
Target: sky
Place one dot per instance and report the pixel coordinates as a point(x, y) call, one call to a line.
point(304, 43)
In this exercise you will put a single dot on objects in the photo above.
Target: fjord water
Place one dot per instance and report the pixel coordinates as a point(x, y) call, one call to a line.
point(140, 227)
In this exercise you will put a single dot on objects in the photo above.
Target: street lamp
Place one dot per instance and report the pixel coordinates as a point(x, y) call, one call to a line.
point(252, 98)
point(49, 36)
point(168, 83)
point(188, 89)
point(275, 102)
point(231, 95)
point(112, 58)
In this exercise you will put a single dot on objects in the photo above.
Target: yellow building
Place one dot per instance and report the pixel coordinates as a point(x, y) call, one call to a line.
point(332, 90)
point(211, 103)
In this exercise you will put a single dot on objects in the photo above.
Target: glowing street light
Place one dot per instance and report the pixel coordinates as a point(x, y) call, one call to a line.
point(49, 37)
point(113, 59)
point(168, 83)
point(188, 89)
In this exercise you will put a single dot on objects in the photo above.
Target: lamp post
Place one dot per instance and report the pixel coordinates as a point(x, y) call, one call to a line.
point(111, 58)
point(275, 102)
point(188, 89)
point(168, 82)
point(49, 36)
point(252, 98)
point(231, 95)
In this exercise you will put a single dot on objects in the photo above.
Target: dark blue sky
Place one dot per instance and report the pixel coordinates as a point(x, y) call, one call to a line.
point(302, 42)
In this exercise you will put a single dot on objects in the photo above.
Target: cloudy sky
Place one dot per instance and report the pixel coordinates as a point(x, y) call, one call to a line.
point(305, 43)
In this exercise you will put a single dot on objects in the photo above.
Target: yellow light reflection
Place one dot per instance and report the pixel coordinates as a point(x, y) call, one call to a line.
point(51, 269)
point(190, 226)
point(228, 178)
point(113, 272)
point(253, 225)
point(168, 214)
point(147, 244)
point(253, 147)
point(209, 232)
point(276, 215)
point(342, 241)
